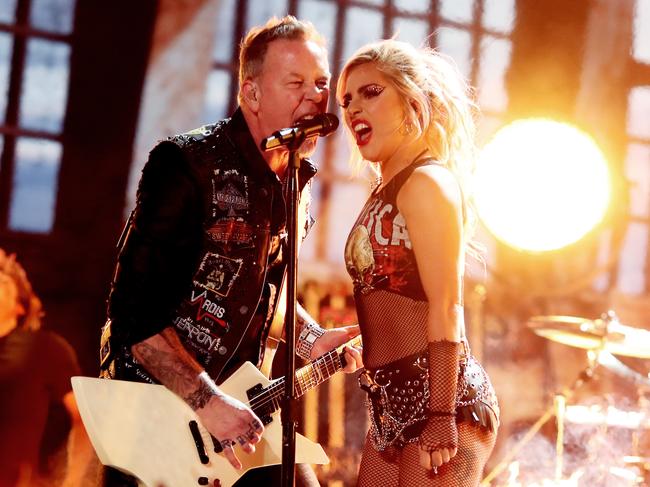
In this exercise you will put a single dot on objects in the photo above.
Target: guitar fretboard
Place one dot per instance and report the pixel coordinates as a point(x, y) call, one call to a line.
point(306, 378)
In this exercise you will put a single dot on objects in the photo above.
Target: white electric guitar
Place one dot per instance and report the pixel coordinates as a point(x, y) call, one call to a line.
point(149, 432)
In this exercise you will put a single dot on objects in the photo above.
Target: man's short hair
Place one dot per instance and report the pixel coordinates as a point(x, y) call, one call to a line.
point(253, 47)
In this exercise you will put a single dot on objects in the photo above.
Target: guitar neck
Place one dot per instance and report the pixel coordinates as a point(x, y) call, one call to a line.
point(321, 369)
point(311, 375)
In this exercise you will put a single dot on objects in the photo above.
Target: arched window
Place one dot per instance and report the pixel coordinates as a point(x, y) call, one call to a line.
point(35, 37)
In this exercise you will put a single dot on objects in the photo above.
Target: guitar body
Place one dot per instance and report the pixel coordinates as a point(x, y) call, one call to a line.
point(144, 430)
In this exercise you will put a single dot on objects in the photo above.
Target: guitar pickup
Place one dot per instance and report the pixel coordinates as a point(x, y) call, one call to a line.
point(254, 391)
point(198, 442)
point(262, 406)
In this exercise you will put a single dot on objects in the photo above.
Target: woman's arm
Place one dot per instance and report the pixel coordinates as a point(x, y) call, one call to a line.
point(431, 204)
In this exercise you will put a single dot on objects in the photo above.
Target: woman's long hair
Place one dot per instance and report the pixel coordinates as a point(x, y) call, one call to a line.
point(436, 101)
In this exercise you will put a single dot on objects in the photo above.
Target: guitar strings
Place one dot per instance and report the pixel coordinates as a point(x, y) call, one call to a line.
point(276, 389)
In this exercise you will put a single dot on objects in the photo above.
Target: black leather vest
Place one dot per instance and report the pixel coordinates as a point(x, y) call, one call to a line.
point(241, 199)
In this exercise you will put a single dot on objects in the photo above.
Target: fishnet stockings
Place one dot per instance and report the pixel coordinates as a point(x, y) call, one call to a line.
point(396, 467)
point(399, 326)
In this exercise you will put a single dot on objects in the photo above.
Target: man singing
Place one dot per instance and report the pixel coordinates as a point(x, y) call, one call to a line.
point(201, 267)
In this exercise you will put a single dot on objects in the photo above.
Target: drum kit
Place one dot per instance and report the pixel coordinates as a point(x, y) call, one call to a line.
point(603, 339)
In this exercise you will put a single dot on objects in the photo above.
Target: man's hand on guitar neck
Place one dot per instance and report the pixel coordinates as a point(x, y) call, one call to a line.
point(229, 420)
point(332, 338)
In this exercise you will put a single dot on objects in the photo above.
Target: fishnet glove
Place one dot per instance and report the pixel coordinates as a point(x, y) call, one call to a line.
point(440, 430)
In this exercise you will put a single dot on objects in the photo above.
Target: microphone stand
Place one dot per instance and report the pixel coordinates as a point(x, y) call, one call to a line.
point(557, 409)
point(293, 138)
point(289, 412)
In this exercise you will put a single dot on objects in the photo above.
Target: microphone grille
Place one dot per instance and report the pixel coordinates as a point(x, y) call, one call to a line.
point(330, 123)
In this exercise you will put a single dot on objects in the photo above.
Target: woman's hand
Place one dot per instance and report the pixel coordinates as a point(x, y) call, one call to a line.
point(434, 459)
point(438, 442)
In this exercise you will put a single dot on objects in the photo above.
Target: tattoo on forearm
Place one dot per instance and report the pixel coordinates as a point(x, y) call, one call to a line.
point(200, 397)
point(167, 368)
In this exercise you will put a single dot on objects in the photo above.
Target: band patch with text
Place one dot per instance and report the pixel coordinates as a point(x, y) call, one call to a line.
point(231, 231)
point(218, 273)
point(206, 308)
point(199, 336)
point(230, 192)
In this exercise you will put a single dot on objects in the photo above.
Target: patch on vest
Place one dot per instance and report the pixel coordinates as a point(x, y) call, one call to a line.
point(198, 336)
point(230, 192)
point(230, 230)
point(207, 309)
point(218, 273)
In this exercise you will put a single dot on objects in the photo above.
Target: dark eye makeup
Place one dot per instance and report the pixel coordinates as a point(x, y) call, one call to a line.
point(367, 91)
point(371, 91)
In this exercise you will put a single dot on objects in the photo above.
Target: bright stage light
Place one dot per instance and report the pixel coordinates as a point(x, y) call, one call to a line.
point(541, 185)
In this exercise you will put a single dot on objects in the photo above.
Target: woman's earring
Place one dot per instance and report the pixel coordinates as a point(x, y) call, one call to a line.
point(406, 128)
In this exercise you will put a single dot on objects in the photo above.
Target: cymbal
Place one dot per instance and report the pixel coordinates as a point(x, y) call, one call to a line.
point(641, 462)
point(610, 362)
point(604, 334)
point(636, 459)
point(609, 416)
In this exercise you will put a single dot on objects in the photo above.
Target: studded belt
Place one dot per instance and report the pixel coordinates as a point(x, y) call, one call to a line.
point(398, 399)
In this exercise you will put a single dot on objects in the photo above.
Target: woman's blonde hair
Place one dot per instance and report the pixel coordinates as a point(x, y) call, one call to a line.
point(437, 103)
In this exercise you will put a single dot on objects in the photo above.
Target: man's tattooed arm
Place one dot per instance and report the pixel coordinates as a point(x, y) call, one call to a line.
point(200, 397)
point(165, 357)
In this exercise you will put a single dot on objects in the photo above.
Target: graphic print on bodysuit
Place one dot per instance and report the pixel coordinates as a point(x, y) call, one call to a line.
point(378, 253)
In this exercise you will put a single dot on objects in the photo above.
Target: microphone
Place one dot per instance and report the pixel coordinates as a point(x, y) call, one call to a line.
point(321, 125)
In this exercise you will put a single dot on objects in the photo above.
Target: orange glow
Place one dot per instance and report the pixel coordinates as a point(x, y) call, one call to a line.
point(541, 185)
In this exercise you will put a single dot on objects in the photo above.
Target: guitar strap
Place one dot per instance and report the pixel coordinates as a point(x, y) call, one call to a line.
point(276, 333)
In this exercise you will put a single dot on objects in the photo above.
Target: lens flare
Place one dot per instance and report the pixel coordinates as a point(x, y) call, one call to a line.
point(541, 185)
